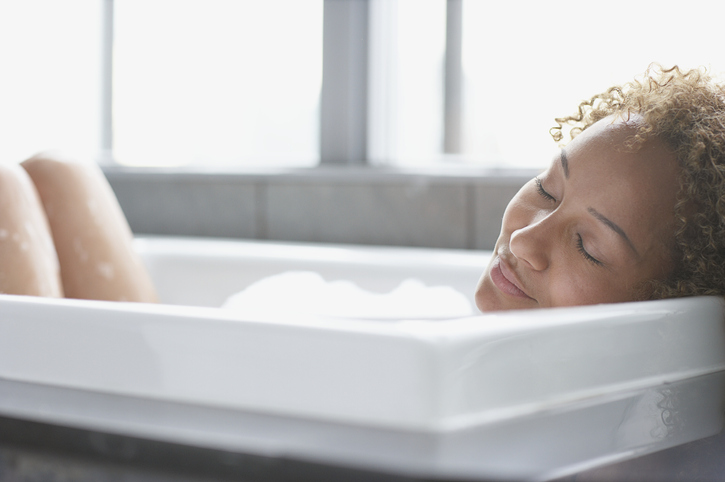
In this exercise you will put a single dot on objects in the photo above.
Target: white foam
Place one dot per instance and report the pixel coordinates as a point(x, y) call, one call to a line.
point(304, 292)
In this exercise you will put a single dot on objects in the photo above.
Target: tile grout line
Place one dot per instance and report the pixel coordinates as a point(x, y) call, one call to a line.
point(261, 210)
point(470, 216)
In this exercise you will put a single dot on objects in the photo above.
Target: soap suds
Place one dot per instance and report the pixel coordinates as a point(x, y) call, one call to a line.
point(303, 292)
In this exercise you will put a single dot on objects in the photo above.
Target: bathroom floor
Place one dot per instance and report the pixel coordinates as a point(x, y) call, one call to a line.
point(35, 452)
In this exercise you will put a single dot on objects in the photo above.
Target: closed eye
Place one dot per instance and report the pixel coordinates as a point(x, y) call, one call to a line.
point(587, 256)
point(542, 191)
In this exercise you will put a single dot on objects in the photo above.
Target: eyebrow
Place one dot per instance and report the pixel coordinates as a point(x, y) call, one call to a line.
point(564, 163)
point(608, 223)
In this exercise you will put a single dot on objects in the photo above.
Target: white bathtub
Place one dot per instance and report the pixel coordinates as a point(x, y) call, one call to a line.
point(519, 395)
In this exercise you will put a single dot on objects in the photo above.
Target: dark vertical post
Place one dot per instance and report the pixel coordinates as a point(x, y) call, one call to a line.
point(106, 113)
point(343, 104)
point(453, 97)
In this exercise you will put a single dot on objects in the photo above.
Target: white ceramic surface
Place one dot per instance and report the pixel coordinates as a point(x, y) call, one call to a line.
point(525, 395)
point(203, 272)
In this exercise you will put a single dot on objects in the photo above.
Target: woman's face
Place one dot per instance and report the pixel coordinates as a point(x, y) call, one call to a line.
point(590, 229)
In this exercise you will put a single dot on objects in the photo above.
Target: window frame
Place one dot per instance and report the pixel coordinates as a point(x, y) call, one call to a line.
point(348, 44)
point(446, 206)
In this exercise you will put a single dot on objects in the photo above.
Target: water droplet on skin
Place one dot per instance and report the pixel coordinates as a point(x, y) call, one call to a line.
point(78, 248)
point(105, 270)
point(94, 212)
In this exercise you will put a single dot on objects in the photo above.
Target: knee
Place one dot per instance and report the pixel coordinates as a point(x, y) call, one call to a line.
point(50, 165)
point(15, 186)
point(64, 182)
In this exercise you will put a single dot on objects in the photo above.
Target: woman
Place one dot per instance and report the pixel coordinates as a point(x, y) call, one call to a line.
point(632, 208)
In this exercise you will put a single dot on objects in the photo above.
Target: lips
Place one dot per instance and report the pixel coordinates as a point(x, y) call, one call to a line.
point(505, 280)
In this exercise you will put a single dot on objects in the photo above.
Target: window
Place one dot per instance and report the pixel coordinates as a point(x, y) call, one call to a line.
point(527, 63)
point(239, 82)
point(50, 95)
point(407, 62)
point(220, 82)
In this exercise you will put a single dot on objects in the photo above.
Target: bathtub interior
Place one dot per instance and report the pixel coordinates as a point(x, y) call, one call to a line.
point(518, 395)
point(205, 272)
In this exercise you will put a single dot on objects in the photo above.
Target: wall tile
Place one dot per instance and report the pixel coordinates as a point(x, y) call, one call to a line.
point(418, 213)
point(328, 206)
point(188, 207)
point(489, 204)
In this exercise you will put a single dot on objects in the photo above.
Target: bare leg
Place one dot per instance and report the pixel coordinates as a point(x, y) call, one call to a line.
point(28, 263)
point(90, 232)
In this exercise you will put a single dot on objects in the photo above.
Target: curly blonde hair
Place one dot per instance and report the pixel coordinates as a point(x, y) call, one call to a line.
point(686, 110)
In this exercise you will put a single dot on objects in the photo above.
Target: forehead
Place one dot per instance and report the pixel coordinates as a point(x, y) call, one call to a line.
point(636, 187)
point(606, 148)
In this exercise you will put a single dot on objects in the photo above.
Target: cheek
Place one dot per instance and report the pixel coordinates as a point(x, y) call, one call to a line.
point(587, 287)
point(570, 292)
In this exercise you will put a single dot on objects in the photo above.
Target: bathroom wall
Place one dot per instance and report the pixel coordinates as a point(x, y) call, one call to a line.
point(329, 205)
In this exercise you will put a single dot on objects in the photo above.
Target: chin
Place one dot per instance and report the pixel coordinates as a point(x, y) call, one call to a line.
point(486, 296)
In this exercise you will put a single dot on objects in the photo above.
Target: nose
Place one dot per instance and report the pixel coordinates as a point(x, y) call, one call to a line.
point(531, 244)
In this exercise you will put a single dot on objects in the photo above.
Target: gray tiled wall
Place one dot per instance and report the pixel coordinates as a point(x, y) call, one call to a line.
point(393, 214)
point(343, 205)
point(489, 203)
point(159, 204)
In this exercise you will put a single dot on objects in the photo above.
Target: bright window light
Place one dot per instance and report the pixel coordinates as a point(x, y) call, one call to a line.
point(407, 59)
point(526, 63)
point(217, 82)
point(50, 53)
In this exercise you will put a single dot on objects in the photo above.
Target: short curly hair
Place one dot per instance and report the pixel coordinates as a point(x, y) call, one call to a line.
point(686, 110)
